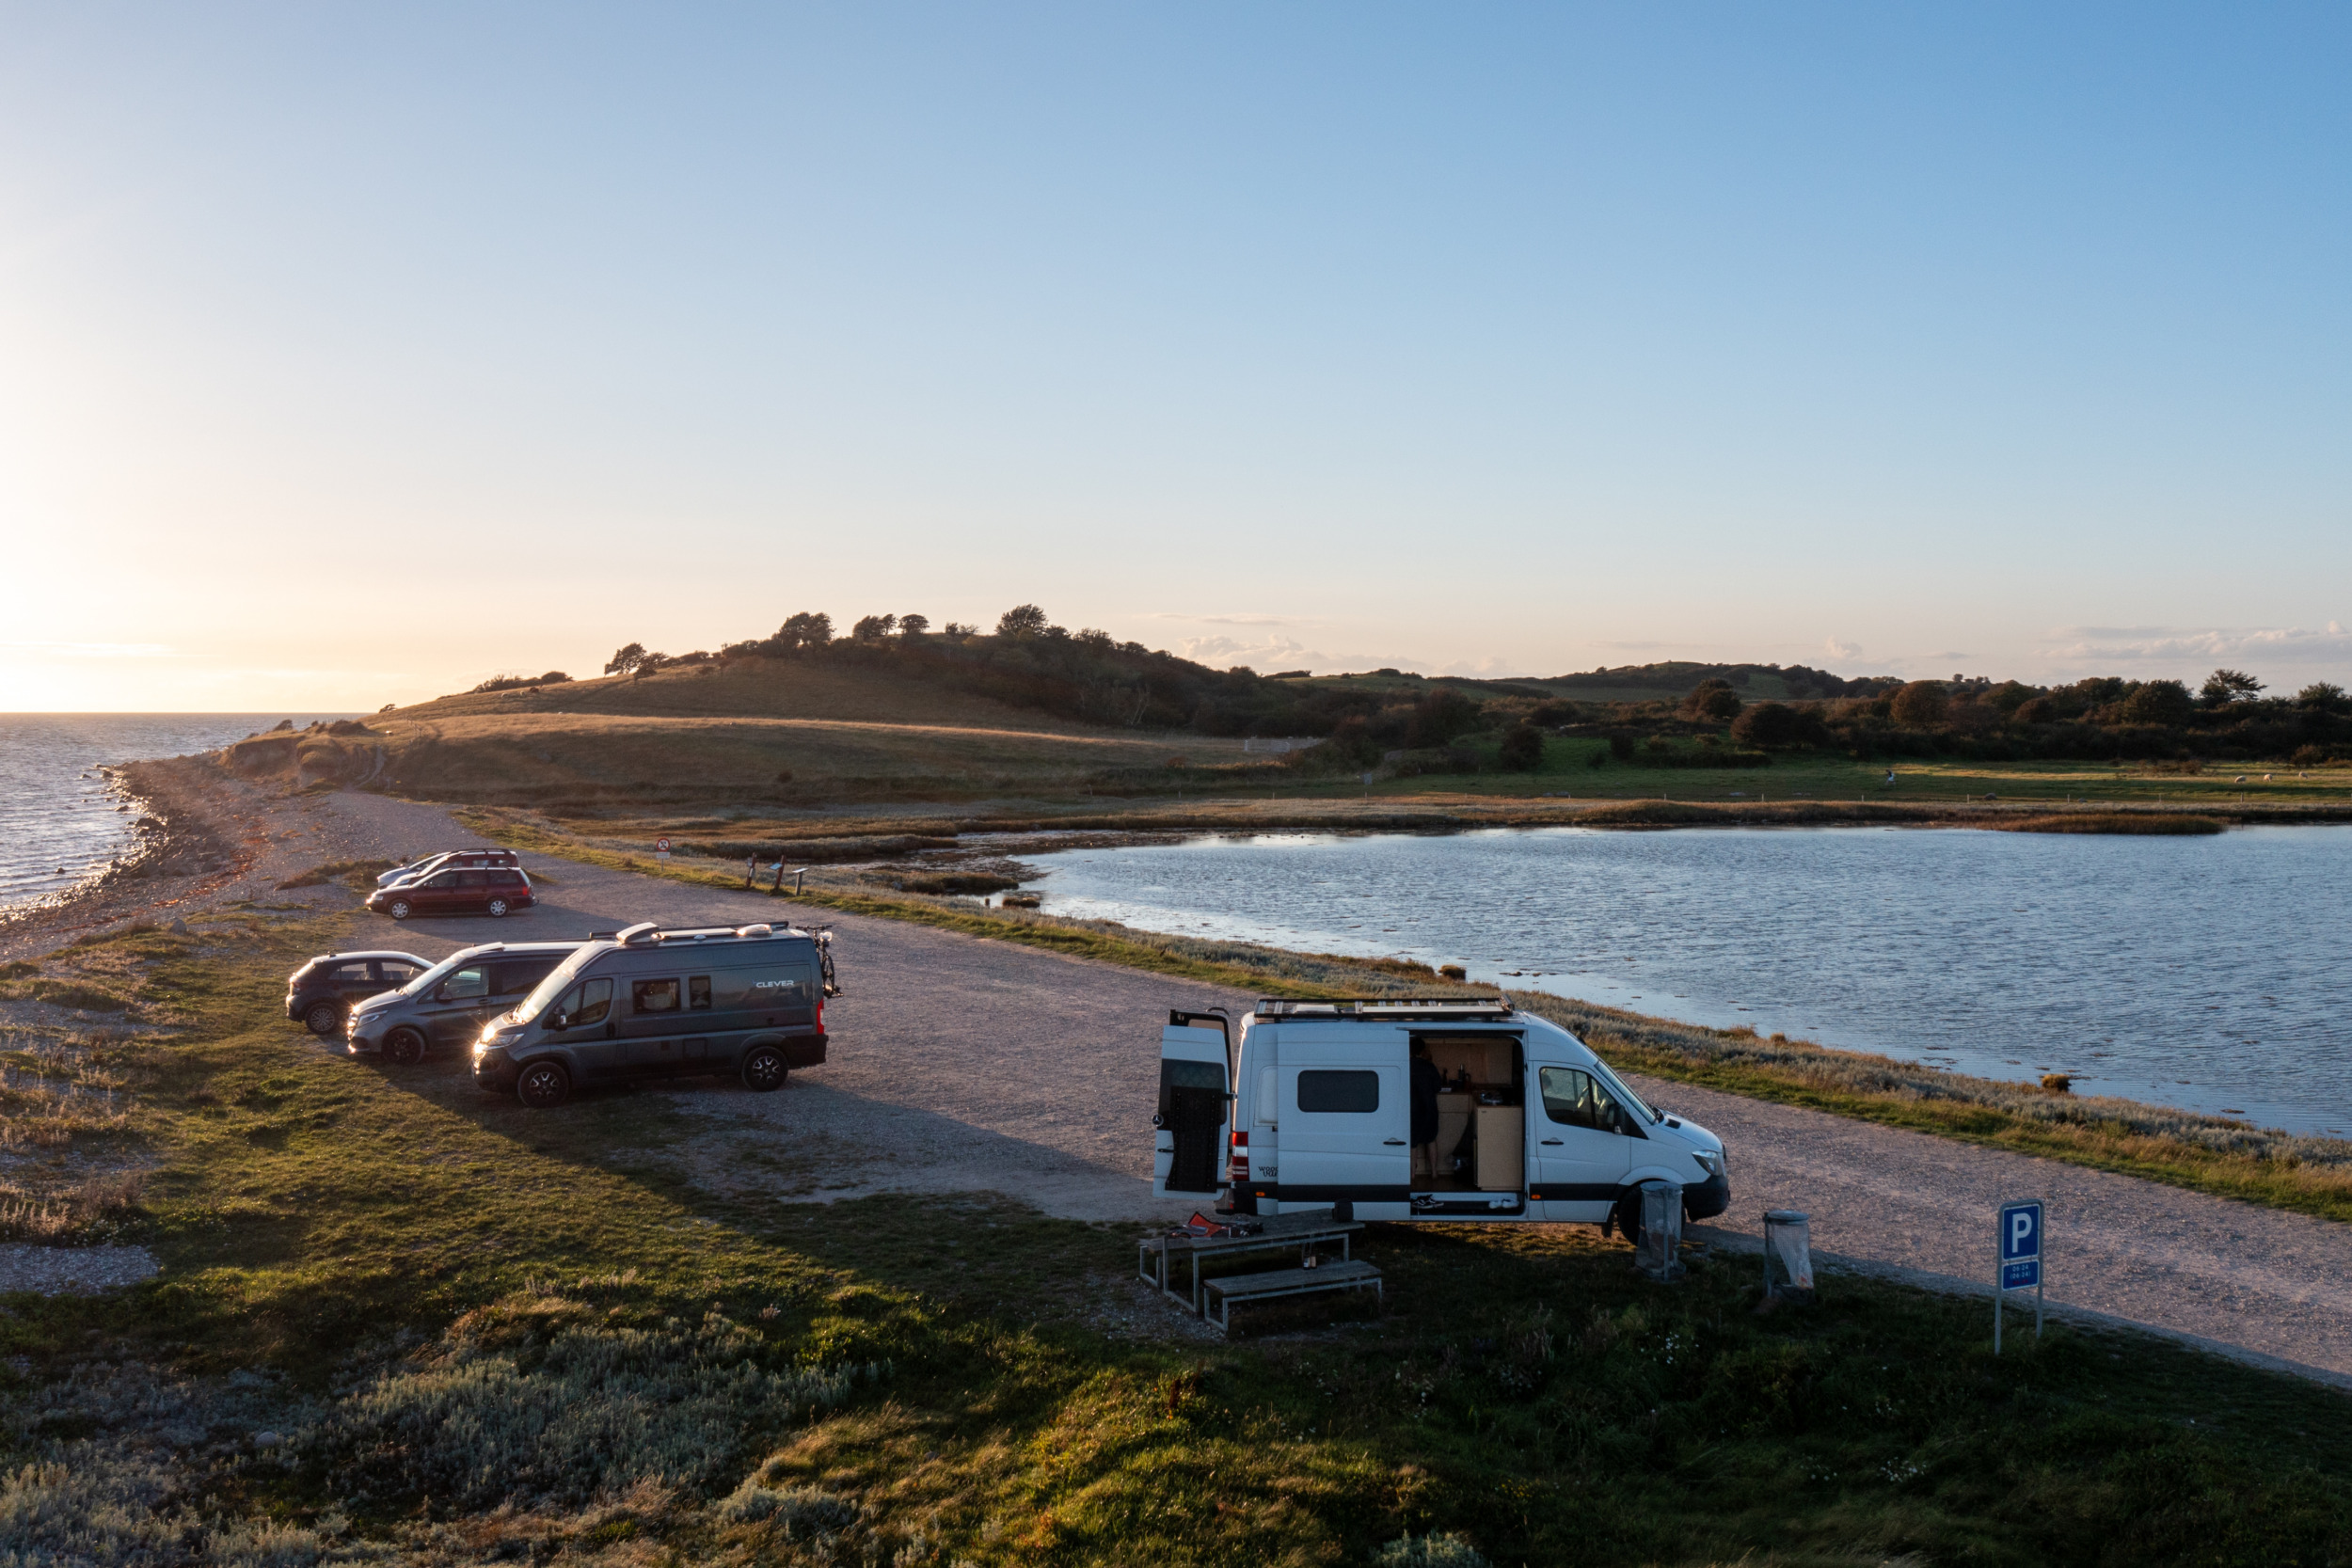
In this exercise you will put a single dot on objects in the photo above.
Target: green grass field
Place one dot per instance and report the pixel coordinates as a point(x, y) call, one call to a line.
point(483, 1334)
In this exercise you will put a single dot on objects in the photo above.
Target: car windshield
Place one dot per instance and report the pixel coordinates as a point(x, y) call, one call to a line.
point(543, 995)
point(434, 975)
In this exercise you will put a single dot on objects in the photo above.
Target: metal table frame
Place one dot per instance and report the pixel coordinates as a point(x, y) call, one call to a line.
point(1156, 1255)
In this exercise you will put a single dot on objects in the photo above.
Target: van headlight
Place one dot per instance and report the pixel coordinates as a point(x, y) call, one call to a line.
point(496, 1039)
point(1712, 1164)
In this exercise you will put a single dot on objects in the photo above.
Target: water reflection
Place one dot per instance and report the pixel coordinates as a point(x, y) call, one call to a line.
point(2197, 971)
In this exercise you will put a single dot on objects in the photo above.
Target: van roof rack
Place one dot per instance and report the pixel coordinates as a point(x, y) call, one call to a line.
point(645, 931)
point(1452, 1009)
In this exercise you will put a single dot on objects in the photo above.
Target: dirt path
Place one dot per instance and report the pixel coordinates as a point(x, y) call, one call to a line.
point(967, 1065)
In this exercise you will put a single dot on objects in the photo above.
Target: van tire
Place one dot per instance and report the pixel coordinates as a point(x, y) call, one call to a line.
point(496, 907)
point(324, 1019)
point(1628, 1216)
point(764, 1070)
point(404, 1047)
point(397, 909)
point(543, 1085)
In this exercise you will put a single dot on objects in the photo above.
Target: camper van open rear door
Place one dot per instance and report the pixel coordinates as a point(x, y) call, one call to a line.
point(1189, 1140)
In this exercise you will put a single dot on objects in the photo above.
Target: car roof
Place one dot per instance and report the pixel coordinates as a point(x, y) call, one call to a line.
point(371, 953)
point(521, 949)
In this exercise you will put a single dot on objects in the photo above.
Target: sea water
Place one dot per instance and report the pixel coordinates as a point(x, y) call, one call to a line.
point(59, 822)
point(2199, 972)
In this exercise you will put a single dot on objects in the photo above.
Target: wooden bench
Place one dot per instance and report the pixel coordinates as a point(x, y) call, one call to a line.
point(1272, 1284)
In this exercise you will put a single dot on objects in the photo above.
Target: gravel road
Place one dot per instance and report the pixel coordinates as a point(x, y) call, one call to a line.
point(961, 1064)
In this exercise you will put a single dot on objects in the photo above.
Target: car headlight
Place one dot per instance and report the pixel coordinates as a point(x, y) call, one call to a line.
point(1710, 1162)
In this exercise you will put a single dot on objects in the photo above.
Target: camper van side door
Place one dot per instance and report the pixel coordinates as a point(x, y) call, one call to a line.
point(1346, 1113)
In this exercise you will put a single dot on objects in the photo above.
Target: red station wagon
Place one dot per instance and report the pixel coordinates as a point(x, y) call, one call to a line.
point(489, 890)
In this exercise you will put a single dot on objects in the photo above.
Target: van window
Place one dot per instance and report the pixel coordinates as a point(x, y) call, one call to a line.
point(1574, 1098)
point(698, 994)
point(1338, 1091)
point(517, 975)
point(591, 1002)
point(473, 980)
point(653, 996)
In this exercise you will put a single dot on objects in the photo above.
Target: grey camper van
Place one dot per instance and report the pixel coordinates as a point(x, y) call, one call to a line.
point(650, 1003)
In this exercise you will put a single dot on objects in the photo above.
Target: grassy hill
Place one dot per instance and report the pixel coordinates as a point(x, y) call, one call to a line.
point(751, 733)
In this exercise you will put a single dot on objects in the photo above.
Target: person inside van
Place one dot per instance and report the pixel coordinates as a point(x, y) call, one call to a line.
point(1423, 1096)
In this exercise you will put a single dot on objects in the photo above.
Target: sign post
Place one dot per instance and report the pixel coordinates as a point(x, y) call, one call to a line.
point(2020, 1253)
point(661, 851)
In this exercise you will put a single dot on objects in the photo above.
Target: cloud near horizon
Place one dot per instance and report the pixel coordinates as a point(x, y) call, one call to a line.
point(2167, 645)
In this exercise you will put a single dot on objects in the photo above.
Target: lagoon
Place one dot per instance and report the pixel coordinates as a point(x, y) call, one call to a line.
point(2204, 973)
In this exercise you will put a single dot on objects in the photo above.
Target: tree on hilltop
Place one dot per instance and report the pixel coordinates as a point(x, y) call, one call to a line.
point(1022, 620)
point(914, 625)
point(625, 659)
point(873, 628)
point(806, 629)
point(2224, 686)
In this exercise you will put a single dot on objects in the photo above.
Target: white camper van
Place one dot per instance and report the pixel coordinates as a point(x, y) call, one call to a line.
point(1314, 1105)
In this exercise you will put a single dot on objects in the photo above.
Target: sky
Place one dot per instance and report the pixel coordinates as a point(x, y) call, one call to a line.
point(352, 355)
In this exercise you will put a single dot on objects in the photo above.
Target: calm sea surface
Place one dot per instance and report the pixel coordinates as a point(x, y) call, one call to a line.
point(57, 823)
point(2208, 972)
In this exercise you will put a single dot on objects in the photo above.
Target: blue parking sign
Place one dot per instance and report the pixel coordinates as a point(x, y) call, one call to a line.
point(2020, 1250)
point(2021, 1240)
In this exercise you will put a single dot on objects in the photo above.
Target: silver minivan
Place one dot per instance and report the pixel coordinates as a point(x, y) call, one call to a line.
point(446, 1007)
point(745, 1002)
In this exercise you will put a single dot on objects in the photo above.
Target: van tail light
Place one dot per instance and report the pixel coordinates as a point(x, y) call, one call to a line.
point(1238, 1168)
point(820, 1015)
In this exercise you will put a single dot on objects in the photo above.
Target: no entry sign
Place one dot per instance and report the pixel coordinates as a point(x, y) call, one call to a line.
point(662, 848)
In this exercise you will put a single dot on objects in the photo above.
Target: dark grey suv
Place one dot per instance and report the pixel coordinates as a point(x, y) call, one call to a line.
point(321, 994)
point(445, 1008)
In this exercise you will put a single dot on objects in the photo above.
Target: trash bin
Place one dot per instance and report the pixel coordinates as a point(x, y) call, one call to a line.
point(1658, 1253)
point(1787, 1254)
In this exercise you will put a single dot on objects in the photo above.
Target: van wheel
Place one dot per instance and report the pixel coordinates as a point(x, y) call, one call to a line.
point(1628, 1216)
point(764, 1070)
point(324, 1019)
point(544, 1086)
point(397, 909)
point(403, 1048)
point(497, 908)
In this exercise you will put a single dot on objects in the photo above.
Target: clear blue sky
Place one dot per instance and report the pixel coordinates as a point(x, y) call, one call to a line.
point(348, 354)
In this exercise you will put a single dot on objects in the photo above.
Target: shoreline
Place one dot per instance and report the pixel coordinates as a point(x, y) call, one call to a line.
point(187, 846)
point(216, 828)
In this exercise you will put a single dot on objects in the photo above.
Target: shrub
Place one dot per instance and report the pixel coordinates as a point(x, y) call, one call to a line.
point(1920, 705)
point(1438, 717)
point(1711, 700)
point(556, 1423)
point(1621, 745)
point(513, 683)
point(1766, 724)
point(2158, 703)
point(1522, 749)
